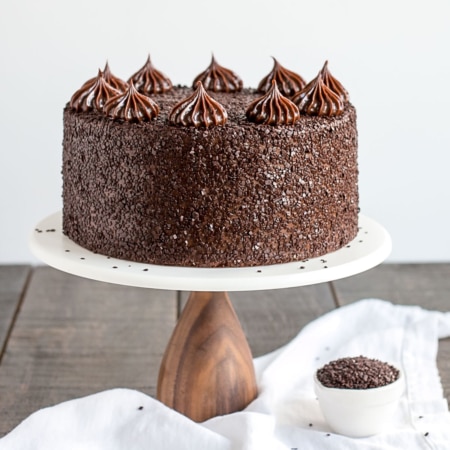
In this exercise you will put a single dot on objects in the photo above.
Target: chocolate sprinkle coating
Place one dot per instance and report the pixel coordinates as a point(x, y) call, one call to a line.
point(236, 195)
point(357, 373)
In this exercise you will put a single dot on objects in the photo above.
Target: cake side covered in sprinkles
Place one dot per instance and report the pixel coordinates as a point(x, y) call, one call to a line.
point(217, 190)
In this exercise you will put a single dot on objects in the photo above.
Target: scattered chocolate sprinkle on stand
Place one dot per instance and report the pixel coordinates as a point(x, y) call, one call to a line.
point(207, 369)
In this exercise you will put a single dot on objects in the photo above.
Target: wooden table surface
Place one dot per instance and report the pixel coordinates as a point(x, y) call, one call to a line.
point(63, 337)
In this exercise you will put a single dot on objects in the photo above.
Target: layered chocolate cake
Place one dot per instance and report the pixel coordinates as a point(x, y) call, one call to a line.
point(213, 175)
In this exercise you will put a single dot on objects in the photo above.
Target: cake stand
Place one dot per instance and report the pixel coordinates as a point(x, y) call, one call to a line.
point(207, 369)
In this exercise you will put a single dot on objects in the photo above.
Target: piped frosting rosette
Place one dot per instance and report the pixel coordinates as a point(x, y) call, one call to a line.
point(198, 110)
point(288, 82)
point(273, 108)
point(131, 106)
point(323, 96)
point(93, 94)
point(217, 78)
point(148, 80)
point(114, 81)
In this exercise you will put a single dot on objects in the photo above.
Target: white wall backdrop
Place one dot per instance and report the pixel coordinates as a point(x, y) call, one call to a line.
point(393, 56)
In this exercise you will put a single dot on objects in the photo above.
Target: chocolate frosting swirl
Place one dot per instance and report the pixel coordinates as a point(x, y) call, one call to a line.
point(218, 79)
point(288, 82)
point(114, 81)
point(93, 94)
point(131, 106)
point(148, 80)
point(333, 83)
point(318, 99)
point(199, 109)
point(273, 108)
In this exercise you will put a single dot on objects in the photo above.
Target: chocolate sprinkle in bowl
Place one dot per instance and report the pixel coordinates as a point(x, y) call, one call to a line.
point(358, 395)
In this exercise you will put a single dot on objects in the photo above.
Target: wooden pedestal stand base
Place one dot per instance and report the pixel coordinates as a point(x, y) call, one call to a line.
point(207, 369)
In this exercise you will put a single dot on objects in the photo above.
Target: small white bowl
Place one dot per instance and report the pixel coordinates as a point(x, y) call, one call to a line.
point(359, 412)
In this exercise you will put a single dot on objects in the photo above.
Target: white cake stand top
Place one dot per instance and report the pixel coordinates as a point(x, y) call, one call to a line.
point(370, 247)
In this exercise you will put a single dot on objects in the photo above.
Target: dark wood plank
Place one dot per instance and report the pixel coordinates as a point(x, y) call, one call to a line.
point(75, 336)
point(426, 285)
point(272, 318)
point(13, 281)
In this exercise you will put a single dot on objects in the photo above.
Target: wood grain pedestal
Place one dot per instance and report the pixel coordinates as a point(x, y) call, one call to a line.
point(207, 369)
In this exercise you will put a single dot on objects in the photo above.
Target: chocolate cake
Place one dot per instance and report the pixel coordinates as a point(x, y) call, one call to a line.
point(213, 175)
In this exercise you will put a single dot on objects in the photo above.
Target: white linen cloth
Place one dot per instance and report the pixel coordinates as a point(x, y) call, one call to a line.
point(286, 414)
